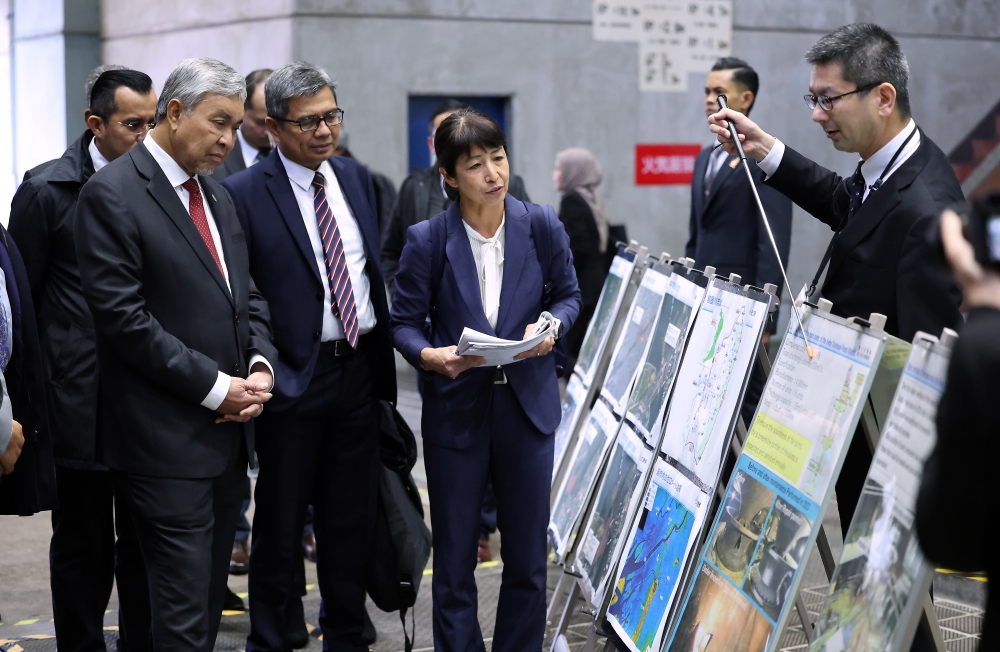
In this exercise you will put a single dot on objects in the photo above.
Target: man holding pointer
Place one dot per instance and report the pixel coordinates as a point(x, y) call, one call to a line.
point(878, 258)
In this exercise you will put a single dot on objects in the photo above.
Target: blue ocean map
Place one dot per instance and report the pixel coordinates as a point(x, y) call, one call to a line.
point(653, 566)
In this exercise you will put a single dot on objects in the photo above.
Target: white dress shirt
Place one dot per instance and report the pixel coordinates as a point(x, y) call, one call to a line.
point(249, 151)
point(301, 179)
point(870, 169)
point(488, 254)
point(95, 155)
point(176, 176)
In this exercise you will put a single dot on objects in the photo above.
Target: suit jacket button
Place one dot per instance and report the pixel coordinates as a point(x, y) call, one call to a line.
point(315, 336)
point(236, 369)
point(237, 319)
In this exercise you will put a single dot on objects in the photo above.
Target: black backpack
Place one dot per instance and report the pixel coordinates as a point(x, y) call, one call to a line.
point(402, 542)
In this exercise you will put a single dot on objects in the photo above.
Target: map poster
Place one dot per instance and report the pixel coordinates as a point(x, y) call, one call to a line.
point(598, 330)
point(656, 375)
point(713, 374)
point(777, 494)
point(881, 579)
point(572, 408)
point(633, 340)
point(657, 553)
point(617, 501)
point(577, 485)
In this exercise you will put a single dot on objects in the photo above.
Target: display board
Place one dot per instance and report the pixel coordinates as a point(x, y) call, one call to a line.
point(741, 595)
point(633, 340)
point(648, 401)
point(878, 588)
point(712, 377)
point(573, 404)
point(574, 491)
point(652, 567)
point(617, 501)
point(599, 329)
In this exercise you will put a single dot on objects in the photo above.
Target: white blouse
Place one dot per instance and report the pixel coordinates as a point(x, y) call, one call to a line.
point(488, 254)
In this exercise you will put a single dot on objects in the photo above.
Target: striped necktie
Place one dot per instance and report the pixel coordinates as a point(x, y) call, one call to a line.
point(336, 263)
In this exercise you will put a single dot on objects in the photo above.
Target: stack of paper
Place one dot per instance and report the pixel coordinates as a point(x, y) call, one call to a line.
point(498, 351)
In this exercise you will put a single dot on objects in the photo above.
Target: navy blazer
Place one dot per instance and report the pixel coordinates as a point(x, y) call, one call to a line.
point(283, 264)
point(725, 229)
point(453, 410)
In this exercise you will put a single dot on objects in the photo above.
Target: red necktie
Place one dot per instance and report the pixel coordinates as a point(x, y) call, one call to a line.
point(197, 210)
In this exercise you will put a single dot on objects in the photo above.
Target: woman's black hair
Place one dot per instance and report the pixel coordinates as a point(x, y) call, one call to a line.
point(458, 134)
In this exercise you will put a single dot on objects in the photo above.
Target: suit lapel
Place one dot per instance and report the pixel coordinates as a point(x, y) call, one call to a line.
point(463, 268)
point(222, 223)
point(515, 251)
point(165, 195)
point(280, 187)
point(878, 204)
point(723, 177)
point(356, 198)
point(698, 183)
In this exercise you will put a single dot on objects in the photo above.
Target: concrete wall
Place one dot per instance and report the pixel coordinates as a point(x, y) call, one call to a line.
point(566, 89)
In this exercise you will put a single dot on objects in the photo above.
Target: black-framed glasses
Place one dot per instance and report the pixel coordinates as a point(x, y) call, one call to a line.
point(311, 122)
point(137, 126)
point(826, 103)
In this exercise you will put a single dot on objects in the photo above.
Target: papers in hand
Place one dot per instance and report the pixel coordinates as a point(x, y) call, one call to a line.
point(499, 351)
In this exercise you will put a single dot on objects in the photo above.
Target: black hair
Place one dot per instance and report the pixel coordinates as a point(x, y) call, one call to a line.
point(869, 56)
point(253, 81)
point(448, 106)
point(102, 96)
point(743, 75)
point(458, 134)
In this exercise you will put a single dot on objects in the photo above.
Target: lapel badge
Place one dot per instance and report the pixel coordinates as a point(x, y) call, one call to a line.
point(734, 163)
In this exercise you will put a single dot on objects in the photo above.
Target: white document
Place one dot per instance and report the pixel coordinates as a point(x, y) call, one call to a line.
point(498, 351)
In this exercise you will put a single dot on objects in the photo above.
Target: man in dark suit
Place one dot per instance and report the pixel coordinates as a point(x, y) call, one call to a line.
point(82, 553)
point(878, 260)
point(252, 144)
point(422, 196)
point(312, 234)
point(726, 229)
point(183, 344)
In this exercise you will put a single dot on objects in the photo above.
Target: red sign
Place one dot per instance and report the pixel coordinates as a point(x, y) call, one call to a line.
point(662, 165)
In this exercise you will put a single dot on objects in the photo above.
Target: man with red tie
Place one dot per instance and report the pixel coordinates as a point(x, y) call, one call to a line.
point(183, 344)
point(312, 232)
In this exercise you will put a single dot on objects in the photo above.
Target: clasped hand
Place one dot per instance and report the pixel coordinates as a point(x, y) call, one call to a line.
point(445, 361)
point(9, 457)
point(246, 397)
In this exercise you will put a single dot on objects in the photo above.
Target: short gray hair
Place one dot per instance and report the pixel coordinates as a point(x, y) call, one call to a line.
point(88, 88)
point(869, 55)
point(193, 79)
point(299, 79)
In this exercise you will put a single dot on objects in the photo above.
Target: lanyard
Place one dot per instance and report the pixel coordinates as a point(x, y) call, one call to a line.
point(874, 187)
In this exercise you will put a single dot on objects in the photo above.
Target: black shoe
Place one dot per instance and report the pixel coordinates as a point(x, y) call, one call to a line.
point(232, 602)
point(297, 636)
point(368, 634)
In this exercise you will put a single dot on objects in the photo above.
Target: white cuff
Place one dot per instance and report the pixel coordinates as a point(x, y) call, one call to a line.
point(254, 359)
point(218, 393)
point(769, 164)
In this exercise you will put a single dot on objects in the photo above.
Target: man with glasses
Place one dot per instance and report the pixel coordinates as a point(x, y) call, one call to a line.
point(878, 259)
point(311, 228)
point(252, 143)
point(121, 110)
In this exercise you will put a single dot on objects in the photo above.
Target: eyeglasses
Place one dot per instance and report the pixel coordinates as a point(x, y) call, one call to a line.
point(311, 122)
point(826, 103)
point(136, 127)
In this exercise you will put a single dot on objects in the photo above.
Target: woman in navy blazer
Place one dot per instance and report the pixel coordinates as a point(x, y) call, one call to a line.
point(481, 422)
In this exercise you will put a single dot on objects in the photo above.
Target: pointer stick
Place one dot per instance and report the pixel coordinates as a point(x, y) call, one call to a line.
point(767, 225)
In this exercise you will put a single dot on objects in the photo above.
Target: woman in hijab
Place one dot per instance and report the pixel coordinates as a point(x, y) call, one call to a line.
point(577, 175)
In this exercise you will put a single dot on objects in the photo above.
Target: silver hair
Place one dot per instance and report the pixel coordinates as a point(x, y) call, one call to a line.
point(97, 72)
point(299, 79)
point(193, 79)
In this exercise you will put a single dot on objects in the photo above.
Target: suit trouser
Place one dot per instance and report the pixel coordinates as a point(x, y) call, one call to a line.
point(323, 450)
point(82, 558)
point(509, 450)
point(184, 528)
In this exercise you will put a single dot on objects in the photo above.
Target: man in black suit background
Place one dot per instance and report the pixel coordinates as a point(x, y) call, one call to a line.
point(726, 230)
point(252, 144)
point(183, 344)
point(82, 552)
point(312, 232)
point(879, 260)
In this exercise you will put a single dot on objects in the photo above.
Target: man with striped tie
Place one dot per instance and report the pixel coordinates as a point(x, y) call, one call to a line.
point(312, 231)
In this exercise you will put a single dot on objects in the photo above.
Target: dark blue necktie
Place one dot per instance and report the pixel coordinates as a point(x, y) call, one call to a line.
point(857, 192)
